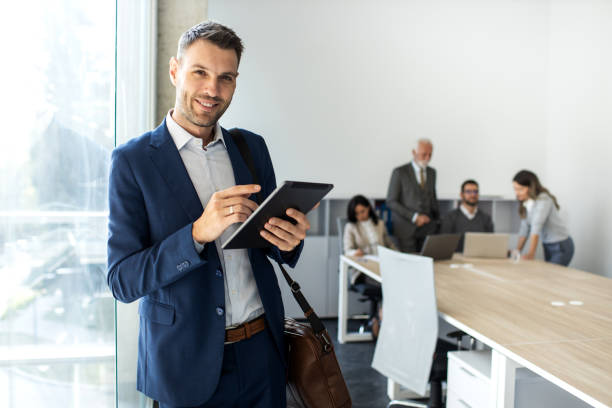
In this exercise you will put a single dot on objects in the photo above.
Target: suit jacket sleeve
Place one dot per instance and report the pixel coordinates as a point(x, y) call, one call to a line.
point(137, 266)
point(394, 197)
point(435, 208)
point(348, 241)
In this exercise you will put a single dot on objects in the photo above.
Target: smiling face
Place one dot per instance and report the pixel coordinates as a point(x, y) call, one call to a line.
point(205, 81)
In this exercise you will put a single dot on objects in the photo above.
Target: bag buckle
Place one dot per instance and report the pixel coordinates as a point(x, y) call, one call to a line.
point(295, 287)
point(327, 347)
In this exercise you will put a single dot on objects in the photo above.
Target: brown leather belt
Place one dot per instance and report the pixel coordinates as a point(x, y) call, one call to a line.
point(245, 330)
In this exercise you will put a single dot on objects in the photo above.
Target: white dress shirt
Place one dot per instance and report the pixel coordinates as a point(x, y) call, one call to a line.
point(210, 170)
point(467, 213)
point(417, 173)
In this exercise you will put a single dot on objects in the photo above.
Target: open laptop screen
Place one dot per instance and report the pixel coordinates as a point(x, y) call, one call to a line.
point(441, 246)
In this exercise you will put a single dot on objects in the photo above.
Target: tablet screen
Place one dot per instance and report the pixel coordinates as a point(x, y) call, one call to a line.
point(300, 195)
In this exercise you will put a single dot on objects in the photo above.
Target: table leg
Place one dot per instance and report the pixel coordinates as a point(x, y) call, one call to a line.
point(343, 335)
point(503, 376)
point(342, 302)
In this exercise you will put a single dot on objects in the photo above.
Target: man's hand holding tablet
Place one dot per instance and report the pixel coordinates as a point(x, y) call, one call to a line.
point(281, 219)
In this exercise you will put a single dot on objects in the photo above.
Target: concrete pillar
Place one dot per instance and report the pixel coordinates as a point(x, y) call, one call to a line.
point(173, 18)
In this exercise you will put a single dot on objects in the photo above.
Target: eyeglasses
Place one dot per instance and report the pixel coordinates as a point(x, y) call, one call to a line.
point(470, 191)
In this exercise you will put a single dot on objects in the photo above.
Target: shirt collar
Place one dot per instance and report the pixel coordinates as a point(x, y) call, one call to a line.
point(467, 214)
point(528, 204)
point(416, 167)
point(181, 137)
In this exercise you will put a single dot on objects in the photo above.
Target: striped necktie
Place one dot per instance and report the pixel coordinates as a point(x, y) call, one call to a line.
point(422, 178)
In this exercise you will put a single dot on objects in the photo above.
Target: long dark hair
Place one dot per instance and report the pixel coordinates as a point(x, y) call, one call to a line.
point(360, 200)
point(528, 179)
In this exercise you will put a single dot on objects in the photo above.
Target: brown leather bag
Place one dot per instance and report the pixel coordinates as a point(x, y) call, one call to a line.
point(314, 378)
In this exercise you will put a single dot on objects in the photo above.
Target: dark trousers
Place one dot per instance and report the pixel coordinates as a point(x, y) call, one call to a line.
point(252, 376)
point(559, 253)
point(414, 243)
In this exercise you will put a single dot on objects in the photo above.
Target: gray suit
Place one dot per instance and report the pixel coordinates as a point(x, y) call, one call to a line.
point(405, 197)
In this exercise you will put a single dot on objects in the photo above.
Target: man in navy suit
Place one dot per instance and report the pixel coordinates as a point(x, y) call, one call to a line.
point(211, 320)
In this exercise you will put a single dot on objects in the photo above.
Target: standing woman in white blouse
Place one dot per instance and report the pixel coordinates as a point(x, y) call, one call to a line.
point(540, 220)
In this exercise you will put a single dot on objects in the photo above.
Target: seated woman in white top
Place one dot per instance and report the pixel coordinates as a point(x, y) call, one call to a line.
point(362, 235)
point(364, 231)
point(539, 212)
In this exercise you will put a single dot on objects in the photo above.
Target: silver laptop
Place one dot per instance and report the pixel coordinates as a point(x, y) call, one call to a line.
point(485, 245)
point(440, 246)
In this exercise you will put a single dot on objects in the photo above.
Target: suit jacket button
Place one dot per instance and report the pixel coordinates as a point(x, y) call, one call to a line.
point(219, 273)
point(219, 311)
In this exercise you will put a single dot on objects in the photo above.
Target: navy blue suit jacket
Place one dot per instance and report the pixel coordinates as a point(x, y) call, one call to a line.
point(151, 256)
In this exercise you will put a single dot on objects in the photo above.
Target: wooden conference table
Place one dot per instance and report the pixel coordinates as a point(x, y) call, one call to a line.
point(553, 320)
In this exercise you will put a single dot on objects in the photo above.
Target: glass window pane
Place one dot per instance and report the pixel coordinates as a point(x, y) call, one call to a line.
point(136, 45)
point(56, 312)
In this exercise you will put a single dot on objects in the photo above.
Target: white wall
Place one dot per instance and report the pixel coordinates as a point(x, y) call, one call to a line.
point(342, 89)
point(579, 143)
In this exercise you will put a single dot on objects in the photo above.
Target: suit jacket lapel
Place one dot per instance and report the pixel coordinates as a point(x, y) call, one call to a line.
point(429, 182)
point(166, 157)
point(412, 174)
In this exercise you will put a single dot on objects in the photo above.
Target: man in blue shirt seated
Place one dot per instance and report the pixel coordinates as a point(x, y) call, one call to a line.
point(467, 218)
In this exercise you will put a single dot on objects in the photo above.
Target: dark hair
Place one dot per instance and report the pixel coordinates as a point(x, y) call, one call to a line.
point(528, 179)
point(466, 182)
point(360, 200)
point(218, 34)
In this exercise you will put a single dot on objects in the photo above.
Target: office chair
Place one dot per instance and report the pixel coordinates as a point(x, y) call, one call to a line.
point(408, 350)
point(371, 293)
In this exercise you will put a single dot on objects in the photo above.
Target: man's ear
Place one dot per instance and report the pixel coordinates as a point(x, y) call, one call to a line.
point(173, 67)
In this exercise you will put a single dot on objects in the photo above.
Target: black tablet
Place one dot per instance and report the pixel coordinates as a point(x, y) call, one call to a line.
point(291, 194)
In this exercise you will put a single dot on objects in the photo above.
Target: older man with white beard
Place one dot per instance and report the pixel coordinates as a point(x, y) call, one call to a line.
point(412, 199)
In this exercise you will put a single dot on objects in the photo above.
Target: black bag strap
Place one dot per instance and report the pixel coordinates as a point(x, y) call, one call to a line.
point(309, 313)
point(245, 152)
point(315, 323)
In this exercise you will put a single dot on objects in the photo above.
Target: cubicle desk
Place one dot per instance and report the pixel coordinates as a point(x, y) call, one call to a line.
point(511, 307)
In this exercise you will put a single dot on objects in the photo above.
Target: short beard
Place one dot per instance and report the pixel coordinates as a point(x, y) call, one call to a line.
point(474, 204)
point(191, 117)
